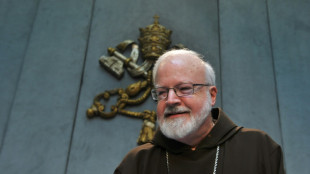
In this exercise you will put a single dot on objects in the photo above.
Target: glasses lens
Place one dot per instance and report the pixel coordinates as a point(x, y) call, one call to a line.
point(184, 89)
point(154, 95)
point(159, 93)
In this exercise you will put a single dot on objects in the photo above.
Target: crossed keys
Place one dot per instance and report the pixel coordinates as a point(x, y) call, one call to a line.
point(115, 64)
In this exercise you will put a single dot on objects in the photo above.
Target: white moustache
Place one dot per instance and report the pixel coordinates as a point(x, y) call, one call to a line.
point(175, 110)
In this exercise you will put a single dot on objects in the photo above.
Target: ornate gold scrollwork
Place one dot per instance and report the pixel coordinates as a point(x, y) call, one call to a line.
point(154, 40)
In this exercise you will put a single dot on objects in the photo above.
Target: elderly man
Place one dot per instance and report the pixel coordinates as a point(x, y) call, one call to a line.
point(192, 137)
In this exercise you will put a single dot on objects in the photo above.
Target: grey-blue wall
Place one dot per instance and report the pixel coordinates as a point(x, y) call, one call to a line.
point(49, 71)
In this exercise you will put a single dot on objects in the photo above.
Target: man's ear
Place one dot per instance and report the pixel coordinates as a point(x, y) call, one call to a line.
point(213, 92)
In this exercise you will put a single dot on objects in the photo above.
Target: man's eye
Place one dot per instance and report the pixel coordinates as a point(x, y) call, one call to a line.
point(161, 92)
point(185, 89)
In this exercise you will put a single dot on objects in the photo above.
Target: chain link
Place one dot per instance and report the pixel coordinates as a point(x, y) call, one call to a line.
point(216, 159)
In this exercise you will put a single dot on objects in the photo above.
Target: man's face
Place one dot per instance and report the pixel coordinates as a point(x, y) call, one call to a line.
point(182, 115)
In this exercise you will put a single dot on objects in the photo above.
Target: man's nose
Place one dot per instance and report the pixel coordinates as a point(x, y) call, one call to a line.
point(172, 97)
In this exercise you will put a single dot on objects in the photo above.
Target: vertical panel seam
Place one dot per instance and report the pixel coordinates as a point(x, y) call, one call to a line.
point(274, 71)
point(80, 87)
point(18, 78)
point(220, 50)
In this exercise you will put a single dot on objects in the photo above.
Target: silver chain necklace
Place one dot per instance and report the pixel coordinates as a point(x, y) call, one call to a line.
point(215, 161)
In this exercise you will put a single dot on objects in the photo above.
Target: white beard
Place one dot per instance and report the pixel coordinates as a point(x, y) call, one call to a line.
point(180, 127)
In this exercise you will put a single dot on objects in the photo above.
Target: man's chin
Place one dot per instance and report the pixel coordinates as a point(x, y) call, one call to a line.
point(175, 127)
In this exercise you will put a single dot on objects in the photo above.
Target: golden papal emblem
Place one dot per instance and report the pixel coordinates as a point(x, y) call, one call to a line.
point(154, 40)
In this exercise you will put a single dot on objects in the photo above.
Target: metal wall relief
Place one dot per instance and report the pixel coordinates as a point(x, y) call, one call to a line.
point(154, 40)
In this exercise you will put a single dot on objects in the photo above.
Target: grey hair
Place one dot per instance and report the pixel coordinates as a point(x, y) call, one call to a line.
point(210, 75)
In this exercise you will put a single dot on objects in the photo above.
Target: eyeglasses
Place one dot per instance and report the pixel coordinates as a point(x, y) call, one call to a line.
point(181, 90)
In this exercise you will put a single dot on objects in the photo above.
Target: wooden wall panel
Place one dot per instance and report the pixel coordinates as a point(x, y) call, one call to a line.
point(290, 28)
point(100, 145)
point(249, 91)
point(39, 130)
point(16, 23)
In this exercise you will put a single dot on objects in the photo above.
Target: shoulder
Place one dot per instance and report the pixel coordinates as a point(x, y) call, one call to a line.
point(137, 157)
point(254, 134)
point(259, 143)
point(257, 138)
point(142, 149)
point(139, 152)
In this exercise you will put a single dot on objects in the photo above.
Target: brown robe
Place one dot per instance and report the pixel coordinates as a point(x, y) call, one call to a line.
point(242, 151)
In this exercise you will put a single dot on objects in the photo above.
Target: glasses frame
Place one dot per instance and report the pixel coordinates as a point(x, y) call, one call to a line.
point(176, 90)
